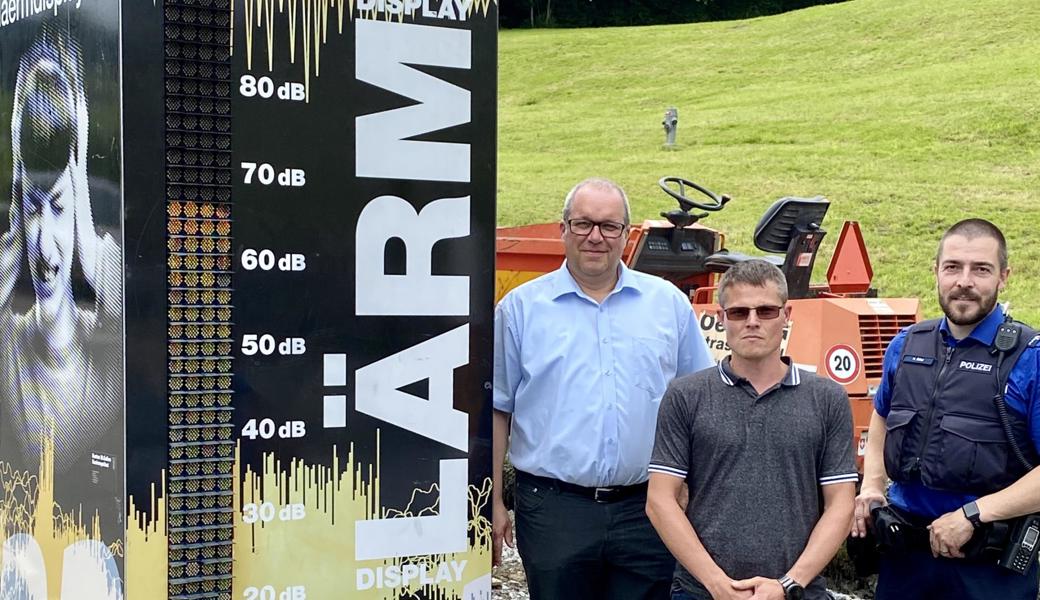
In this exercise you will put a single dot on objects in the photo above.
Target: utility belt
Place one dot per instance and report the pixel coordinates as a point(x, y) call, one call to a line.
point(1011, 544)
point(603, 495)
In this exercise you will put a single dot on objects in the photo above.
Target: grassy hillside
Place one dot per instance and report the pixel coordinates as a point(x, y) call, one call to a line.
point(907, 114)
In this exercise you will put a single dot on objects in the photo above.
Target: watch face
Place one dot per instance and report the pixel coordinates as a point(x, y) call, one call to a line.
point(795, 592)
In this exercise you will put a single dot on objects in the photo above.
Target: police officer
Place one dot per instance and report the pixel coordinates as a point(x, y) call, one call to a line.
point(937, 432)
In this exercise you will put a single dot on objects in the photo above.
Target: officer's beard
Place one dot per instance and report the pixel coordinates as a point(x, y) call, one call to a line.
point(982, 307)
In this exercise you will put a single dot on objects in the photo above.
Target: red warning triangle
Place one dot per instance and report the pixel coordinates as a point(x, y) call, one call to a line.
point(850, 270)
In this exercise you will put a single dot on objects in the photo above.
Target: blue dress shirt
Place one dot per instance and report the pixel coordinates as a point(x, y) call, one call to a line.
point(1022, 396)
point(583, 380)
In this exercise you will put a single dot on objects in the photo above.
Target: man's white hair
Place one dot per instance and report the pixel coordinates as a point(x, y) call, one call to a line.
point(601, 183)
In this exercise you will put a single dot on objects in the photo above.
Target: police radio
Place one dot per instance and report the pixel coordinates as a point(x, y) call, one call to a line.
point(1022, 547)
point(1005, 341)
point(1007, 336)
point(1021, 551)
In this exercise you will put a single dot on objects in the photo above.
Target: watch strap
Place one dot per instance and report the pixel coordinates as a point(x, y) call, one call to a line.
point(971, 512)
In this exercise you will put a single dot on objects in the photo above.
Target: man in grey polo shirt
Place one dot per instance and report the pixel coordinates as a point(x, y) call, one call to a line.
point(759, 443)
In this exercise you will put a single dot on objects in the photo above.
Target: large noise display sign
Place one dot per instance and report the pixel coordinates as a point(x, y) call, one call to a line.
point(246, 283)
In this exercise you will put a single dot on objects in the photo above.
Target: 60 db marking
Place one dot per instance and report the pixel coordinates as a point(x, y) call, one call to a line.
point(267, 260)
point(251, 259)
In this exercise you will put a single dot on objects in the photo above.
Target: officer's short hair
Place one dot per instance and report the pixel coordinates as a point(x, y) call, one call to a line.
point(755, 272)
point(598, 182)
point(973, 229)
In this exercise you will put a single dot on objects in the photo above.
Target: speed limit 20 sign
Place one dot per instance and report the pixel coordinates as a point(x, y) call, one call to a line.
point(842, 364)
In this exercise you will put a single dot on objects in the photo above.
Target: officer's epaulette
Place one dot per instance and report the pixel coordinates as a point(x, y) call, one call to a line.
point(1033, 343)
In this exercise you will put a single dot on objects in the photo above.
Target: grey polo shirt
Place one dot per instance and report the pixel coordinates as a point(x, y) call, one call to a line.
point(754, 465)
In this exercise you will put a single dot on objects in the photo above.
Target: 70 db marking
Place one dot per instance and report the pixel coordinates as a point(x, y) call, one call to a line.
point(267, 175)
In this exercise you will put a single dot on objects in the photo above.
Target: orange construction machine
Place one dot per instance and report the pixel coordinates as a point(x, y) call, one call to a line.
point(838, 329)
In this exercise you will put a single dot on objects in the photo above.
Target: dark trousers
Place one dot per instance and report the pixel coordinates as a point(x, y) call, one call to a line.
point(917, 574)
point(574, 548)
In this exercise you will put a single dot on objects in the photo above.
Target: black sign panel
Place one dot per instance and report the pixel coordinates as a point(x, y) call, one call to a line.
point(364, 149)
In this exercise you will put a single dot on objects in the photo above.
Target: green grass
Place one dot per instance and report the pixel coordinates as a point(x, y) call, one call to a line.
point(907, 114)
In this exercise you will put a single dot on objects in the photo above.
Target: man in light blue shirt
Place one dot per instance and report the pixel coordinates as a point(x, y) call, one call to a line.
point(582, 357)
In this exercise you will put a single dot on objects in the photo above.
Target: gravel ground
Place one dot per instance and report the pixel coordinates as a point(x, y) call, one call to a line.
point(508, 581)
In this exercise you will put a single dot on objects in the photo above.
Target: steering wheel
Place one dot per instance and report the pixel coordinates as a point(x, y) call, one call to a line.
point(717, 201)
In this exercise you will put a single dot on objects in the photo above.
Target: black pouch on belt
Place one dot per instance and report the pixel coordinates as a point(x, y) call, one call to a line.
point(897, 532)
point(988, 542)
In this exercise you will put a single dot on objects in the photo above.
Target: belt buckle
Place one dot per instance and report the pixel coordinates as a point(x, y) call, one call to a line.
point(606, 494)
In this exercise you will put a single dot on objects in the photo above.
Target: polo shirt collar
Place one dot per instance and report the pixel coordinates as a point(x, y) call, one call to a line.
point(564, 283)
point(792, 378)
point(984, 331)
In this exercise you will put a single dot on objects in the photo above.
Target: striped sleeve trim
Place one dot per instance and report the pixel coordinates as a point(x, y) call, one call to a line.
point(666, 470)
point(844, 478)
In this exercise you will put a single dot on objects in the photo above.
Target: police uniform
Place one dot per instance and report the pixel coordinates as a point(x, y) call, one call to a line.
point(945, 446)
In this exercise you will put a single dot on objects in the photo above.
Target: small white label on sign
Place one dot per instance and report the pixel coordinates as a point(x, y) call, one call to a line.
point(842, 364)
point(880, 306)
point(861, 447)
point(804, 259)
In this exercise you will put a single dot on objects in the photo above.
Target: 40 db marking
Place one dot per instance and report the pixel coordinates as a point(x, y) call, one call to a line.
point(843, 364)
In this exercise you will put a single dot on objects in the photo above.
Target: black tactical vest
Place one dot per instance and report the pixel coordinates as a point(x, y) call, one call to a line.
point(943, 427)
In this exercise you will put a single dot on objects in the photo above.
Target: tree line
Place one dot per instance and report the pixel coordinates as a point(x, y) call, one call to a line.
point(603, 13)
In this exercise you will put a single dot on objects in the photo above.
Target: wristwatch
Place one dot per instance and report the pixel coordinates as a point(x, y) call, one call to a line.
point(792, 589)
point(971, 512)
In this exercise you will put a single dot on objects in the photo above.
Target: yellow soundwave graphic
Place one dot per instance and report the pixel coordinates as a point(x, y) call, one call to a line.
point(295, 535)
point(28, 508)
point(300, 543)
point(307, 22)
point(147, 545)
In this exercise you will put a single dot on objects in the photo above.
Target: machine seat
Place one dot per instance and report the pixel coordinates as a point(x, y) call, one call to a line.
point(720, 262)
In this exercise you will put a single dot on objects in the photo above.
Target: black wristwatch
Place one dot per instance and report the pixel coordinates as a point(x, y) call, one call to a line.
point(792, 589)
point(971, 512)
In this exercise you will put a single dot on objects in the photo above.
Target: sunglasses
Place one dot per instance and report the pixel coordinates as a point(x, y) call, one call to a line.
point(741, 313)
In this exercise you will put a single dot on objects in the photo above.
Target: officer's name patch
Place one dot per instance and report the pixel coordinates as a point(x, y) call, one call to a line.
point(918, 360)
point(976, 367)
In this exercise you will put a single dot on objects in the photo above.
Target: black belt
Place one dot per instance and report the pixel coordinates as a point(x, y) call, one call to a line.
point(603, 495)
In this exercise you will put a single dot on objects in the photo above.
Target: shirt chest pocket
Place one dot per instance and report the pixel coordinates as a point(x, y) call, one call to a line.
point(653, 363)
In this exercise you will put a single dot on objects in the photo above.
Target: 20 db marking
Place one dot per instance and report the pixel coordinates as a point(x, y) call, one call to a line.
point(842, 364)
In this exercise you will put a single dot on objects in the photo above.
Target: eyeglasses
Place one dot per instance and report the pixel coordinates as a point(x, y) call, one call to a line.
point(608, 229)
point(741, 313)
